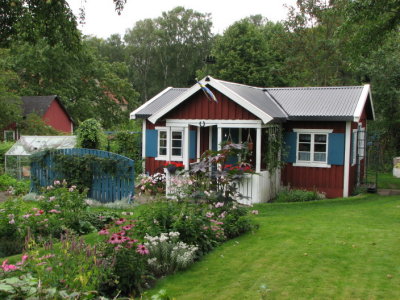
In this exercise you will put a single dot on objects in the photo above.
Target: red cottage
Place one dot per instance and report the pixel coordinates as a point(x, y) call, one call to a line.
point(49, 108)
point(324, 131)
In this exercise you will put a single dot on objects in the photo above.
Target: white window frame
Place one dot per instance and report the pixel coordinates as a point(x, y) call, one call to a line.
point(5, 135)
point(312, 163)
point(169, 156)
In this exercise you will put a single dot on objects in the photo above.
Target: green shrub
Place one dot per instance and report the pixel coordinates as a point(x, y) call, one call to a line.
point(293, 195)
point(4, 147)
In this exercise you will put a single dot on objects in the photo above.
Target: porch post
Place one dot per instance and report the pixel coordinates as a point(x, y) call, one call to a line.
point(198, 154)
point(186, 147)
point(258, 150)
point(219, 138)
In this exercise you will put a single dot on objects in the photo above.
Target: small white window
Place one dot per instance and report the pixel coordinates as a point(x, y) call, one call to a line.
point(170, 143)
point(312, 148)
point(162, 143)
point(176, 143)
point(9, 135)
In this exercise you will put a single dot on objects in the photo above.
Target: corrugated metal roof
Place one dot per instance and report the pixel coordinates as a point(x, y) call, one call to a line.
point(258, 98)
point(318, 103)
point(160, 102)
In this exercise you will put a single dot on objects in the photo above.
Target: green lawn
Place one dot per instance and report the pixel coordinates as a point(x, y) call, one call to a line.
point(387, 181)
point(331, 249)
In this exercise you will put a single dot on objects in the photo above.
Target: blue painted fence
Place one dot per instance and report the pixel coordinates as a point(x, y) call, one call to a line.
point(105, 187)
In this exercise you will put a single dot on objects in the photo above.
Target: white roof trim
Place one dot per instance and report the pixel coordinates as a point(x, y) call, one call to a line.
point(133, 114)
point(220, 87)
point(361, 103)
point(240, 100)
point(153, 119)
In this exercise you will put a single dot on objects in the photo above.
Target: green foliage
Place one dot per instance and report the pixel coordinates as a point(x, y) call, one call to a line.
point(167, 50)
point(4, 147)
point(90, 135)
point(30, 20)
point(247, 53)
point(33, 124)
point(293, 195)
point(13, 186)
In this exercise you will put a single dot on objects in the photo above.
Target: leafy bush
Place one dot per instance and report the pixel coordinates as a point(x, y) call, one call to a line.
point(167, 254)
point(292, 195)
point(14, 186)
point(73, 269)
point(90, 135)
point(11, 239)
point(154, 184)
point(4, 147)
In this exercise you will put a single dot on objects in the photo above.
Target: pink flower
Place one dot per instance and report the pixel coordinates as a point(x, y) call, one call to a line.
point(56, 182)
point(48, 269)
point(120, 221)
point(254, 212)
point(12, 221)
point(219, 204)
point(54, 211)
point(6, 267)
point(104, 232)
point(52, 198)
point(141, 249)
point(209, 214)
point(26, 216)
point(127, 227)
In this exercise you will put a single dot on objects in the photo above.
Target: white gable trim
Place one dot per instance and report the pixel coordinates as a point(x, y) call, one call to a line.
point(221, 88)
point(153, 119)
point(240, 100)
point(361, 103)
point(133, 114)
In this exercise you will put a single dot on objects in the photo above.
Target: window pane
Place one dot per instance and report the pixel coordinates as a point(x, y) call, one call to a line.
point(176, 135)
point(320, 157)
point(305, 137)
point(304, 147)
point(320, 138)
point(304, 156)
point(163, 134)
point(176, 151)
point(176, 143)
point(163, 151)
point(320, 147)
point(163, 143)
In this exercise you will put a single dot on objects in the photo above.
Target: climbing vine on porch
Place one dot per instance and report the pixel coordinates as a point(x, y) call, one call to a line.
point(273, 147)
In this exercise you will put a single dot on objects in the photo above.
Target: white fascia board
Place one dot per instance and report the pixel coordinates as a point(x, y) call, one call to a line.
point(132, 115)
point(361, 103)
point(217, 122)
point(153, 119)
point(240, 100)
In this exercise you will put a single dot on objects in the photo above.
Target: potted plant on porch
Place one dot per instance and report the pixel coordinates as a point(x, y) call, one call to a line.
point(173, 166)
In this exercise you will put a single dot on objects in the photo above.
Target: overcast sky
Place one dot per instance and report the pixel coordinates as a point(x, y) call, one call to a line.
point(102, 20)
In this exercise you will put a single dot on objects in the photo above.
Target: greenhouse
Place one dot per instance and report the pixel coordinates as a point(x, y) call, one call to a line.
point(17, 159)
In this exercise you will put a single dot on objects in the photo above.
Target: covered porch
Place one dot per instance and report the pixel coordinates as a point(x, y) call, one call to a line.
point(202, 135)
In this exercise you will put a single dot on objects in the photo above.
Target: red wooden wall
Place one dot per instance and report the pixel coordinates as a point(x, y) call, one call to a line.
point(56, 117)
point(199, 107)
point(326, 180)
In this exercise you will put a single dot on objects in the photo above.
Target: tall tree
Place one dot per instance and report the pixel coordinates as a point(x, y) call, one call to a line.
point(248, 52)
point(34, 20)
point(168, 50)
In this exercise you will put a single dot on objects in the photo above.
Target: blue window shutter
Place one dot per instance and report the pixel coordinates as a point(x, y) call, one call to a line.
point(192, 144)
point(336, 149)
point(151, 142)
point(289, 153)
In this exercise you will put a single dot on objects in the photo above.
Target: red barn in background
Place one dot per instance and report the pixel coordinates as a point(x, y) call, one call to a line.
point(49, 108)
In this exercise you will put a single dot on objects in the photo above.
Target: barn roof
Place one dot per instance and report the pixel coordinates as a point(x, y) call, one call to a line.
point(294, 103)
point(40, 104)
